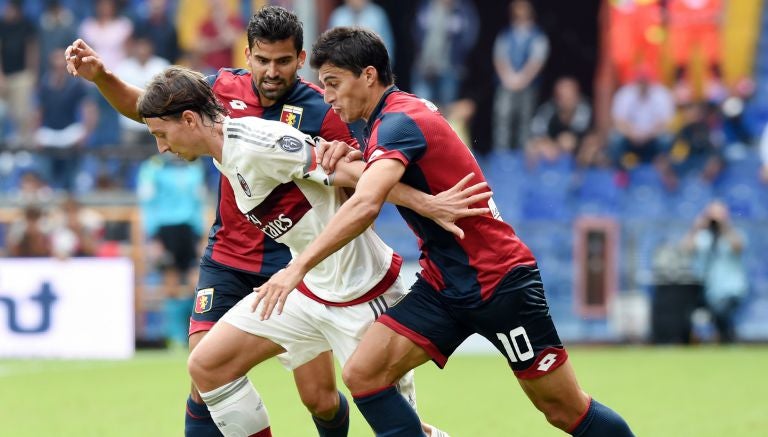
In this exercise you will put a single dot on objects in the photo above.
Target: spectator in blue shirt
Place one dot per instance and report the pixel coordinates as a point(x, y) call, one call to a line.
point(171, 196)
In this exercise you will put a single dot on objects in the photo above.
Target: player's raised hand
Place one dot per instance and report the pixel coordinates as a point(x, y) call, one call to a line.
point(447, 207)
point(273, 293)
point(83, 61)
point(330, 152)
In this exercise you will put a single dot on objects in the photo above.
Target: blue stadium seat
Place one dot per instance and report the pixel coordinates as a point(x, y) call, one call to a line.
point(692, 196)
point(598, 193)
point(546, 192)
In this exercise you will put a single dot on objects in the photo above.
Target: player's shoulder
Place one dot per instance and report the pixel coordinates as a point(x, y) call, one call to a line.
point(230, 77)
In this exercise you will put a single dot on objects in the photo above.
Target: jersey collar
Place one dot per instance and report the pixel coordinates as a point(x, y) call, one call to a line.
point(377, 110)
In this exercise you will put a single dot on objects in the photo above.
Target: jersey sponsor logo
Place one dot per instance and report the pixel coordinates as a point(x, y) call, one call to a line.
point(204, 300)
point(244, 185)
point(546, 362)
point(290, 144)
point(273, 228)
point(431, 106)
point(375, 154)
point(291, 115)
point(237, 104)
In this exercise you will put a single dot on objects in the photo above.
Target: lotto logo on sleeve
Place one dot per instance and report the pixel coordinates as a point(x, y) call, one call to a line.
point(204, 300)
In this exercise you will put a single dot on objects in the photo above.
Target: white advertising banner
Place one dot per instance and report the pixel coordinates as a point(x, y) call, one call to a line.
point(76, 308)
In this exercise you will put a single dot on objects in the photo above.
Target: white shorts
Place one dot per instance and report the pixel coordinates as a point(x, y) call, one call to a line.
point(307, 328)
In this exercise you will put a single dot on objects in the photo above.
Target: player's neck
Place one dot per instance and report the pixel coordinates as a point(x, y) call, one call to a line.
point(377, 92)
point(215, 141)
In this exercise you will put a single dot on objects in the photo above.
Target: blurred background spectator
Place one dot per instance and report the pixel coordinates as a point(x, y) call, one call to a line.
point(138, 69)
point(444, 33)
point(365, 13)
point(519, 54)
point(694, 27)
point(18, 70)
point(696, 149)
point(718, 248)
point(643, 111)
point(560, 124)
point(171, 195)
point(64, 122)
point(57, 29)
point(217, 35)
point(75, 231)
point(635, 37)
point(31, 236)
point(155, 22)
point(107, 31)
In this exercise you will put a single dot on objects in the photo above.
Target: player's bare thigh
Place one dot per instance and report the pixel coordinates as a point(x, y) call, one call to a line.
point(227, 353)
point(382, 357)
point(557, 394)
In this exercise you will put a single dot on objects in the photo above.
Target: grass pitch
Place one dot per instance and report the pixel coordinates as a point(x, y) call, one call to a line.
point(696, 391)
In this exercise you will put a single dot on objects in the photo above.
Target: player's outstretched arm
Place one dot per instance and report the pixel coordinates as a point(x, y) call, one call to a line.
point(84, 62)
point(443, 208)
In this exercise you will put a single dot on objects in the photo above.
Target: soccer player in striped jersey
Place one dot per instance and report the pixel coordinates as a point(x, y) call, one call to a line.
point(280, 189)
point(486, 283)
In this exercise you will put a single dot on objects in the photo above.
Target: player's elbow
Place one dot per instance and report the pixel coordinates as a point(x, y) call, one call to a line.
point(366, 208)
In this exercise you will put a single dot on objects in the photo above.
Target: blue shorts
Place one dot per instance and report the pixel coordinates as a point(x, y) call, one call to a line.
point(515, 319)
point(219, 288)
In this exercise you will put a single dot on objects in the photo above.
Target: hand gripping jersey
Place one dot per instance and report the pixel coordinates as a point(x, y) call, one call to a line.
point(281, 190)
point(232, 241)
point(411, 130)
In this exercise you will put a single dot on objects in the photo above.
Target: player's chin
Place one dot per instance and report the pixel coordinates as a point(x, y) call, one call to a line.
point(273, 93)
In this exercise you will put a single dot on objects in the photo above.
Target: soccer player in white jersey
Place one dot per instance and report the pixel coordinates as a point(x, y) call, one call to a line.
point(279, 187)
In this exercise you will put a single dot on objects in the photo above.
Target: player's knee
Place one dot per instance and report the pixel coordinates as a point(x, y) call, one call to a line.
point(197, 368)
point(559, 413)
point(322, 403)
point(356, 377)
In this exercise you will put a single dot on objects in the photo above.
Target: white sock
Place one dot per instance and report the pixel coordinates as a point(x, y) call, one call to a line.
point(237, 409)
point(434, 432)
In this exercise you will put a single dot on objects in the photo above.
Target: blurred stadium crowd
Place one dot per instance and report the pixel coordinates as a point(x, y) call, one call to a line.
point(641, 111)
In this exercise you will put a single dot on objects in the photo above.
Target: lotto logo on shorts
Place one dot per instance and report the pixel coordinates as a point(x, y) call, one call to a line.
point(204, 300)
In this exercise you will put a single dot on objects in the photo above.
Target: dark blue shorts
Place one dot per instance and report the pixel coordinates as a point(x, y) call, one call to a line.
point(515, 319)
point(219, 288)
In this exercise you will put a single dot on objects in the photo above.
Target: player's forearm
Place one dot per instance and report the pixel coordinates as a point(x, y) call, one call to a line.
point(121, 95)
point(348, 173)
point(352, 219)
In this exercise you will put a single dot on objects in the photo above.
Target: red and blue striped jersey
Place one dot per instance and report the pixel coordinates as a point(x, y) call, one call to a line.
point(412, 131)
point(233, 241)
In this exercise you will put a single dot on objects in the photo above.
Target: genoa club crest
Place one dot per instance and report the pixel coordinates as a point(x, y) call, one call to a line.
point(204, 300)
point(291, 115)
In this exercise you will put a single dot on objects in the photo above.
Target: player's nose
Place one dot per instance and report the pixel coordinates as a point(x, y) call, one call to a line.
point(162, 147)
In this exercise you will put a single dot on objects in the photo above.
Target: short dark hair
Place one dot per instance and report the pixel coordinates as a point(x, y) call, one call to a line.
point(353, 49)
point(178, 89)
point(275, 23)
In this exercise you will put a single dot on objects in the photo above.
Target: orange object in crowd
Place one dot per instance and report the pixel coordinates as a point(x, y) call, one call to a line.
point(635, 36)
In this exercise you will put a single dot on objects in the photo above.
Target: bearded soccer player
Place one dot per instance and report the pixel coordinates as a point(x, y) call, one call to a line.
point(486, 283)
point(239, 256)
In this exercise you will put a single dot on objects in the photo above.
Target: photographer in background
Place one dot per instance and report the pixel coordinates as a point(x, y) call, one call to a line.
point(717, 247)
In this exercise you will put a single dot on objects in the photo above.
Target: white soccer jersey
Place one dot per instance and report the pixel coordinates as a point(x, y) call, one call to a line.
point(280, 188)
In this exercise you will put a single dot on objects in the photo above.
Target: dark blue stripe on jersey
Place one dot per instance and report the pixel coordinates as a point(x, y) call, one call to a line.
point(402, 134)
point(211, 78)
point(460, 278)
point(305, 97)
point(208, 254)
